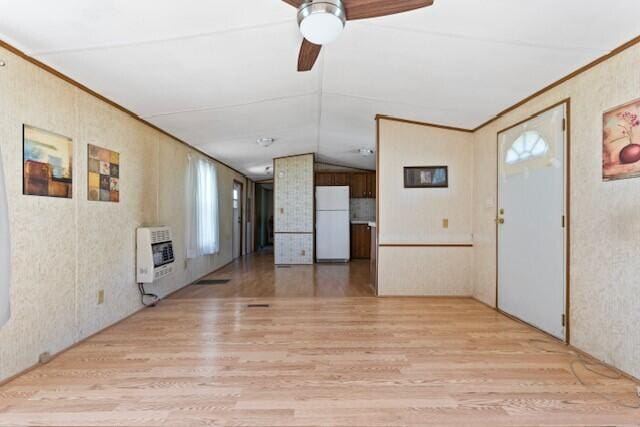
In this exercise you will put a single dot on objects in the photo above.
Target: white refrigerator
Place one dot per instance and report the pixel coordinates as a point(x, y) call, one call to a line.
point(332, 224)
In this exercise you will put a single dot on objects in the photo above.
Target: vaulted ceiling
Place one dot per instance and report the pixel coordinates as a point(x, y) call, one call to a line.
point(222, 73)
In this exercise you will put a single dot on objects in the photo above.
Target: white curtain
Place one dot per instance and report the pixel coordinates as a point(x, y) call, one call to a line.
point(203, 223)
point(5, 248)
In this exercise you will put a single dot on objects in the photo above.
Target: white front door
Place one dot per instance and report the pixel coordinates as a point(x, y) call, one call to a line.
point(531, 222)
point(237, 220)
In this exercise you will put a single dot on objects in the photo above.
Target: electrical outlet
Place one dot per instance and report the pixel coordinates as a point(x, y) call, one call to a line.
point(101, 296)
point(445, 223)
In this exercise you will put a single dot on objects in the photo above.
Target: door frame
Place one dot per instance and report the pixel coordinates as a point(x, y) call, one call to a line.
point(242, 223)
point(567, 166)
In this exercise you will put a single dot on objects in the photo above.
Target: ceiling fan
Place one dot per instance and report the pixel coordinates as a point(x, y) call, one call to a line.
point(321, 21)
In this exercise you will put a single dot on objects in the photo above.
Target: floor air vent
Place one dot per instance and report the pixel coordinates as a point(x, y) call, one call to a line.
point(213, 282)
point(258, 306)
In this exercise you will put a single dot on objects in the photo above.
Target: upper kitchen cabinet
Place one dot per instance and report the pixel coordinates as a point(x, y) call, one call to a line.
point(331, 179)
point(363, 185)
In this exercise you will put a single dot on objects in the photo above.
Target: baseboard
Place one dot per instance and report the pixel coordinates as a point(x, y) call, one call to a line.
point(88, 337)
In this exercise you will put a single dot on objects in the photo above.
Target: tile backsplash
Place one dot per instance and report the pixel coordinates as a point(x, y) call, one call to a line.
point(363, 209)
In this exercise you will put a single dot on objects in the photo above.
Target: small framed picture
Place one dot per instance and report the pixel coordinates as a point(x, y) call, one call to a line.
point(426, 177)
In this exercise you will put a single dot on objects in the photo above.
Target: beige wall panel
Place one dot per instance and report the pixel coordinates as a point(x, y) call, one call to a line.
point(426, 271)
point(65, 250)
point(414, 215)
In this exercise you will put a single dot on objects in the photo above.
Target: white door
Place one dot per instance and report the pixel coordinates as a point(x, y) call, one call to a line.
point(531, 222)
point(237, 220)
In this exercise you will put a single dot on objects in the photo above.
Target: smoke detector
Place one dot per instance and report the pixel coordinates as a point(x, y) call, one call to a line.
point(265, 142)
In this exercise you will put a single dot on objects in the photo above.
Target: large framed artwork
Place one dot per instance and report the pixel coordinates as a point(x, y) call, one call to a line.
point(104, 175)
point(47, 167)
point(621, 142)
point(426, 177)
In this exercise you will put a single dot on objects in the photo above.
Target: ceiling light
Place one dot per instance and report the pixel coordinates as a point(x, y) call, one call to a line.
point(265, 142)
point(321, 21)
point(366, 151)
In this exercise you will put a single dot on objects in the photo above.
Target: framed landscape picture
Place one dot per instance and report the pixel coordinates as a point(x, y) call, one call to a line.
point(426, 177)
point(47, 167)
point(103, 175)
point(621, 142)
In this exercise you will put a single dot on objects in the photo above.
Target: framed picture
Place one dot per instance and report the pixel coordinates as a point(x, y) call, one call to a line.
point(103, 168)
point(621, 142)
point(426, 177)
point(47, 163)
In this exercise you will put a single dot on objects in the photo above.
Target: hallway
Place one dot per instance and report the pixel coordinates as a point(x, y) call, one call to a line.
point(281, 347)
point(255, 276)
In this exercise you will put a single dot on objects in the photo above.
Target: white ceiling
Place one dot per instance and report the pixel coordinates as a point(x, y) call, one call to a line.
point(222, 73)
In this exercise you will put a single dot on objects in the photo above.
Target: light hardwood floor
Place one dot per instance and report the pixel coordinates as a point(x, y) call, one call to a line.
point(210, 359)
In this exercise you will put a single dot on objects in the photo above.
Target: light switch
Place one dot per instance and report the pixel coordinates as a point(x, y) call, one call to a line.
point(101, 296)
point(282, 210)
point(445, 223)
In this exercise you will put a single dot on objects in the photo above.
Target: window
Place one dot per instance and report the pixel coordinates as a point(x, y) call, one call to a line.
point(202, 206)
point(528, 145)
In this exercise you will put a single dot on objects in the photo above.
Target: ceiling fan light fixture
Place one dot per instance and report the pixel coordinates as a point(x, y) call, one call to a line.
point(322, 21)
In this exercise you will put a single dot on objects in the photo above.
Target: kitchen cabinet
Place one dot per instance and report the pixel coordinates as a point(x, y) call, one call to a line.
point(362, 184)
point(332, 179)
point(358, 185)
point(360, 241)
point(371, 185)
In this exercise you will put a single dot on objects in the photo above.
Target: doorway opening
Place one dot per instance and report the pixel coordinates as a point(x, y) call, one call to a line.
point(264, 216)
point(532, 221)
point(237, 218)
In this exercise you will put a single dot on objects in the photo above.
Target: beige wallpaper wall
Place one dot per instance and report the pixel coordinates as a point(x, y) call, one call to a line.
point(65, 250)
point(293, 209)
point(605, 224)
point(415, 216)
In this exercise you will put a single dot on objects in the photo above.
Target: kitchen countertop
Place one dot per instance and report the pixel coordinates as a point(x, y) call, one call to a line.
point(361, 221)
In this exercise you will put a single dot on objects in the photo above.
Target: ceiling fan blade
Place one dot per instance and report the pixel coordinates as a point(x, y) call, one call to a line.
point(308, 54)
point(294, 3)
point(363, 9)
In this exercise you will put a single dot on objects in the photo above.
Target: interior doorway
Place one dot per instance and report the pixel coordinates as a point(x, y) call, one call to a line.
point(532, 221)
point(237, 219)
point(264, 215)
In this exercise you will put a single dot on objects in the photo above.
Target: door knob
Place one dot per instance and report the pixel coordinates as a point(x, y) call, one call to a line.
point(499, 220)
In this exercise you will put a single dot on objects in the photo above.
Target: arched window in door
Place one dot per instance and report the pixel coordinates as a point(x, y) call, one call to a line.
point(530, 144)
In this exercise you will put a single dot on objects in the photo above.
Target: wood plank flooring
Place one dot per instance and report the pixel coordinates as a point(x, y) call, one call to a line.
point(255, 276)
point(314, 361)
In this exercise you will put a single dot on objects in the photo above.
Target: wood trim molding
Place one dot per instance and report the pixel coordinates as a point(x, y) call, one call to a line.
point(419, 123)
point(519, 104)
point(564, 79)
point(106, 100)
point(352, 169)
